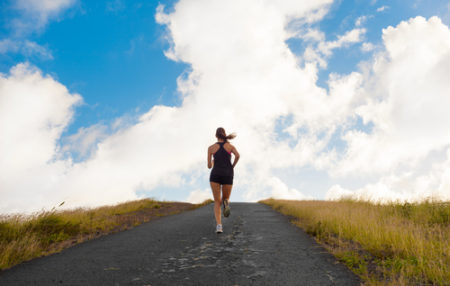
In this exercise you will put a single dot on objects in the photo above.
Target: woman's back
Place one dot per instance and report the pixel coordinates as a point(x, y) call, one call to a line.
point(222, 161)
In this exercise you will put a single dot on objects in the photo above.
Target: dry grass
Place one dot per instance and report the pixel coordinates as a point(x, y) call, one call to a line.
point(393, 244)
point(26, 237)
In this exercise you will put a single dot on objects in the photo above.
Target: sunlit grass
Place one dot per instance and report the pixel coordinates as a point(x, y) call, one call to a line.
point(390, 244)
point(26, 237)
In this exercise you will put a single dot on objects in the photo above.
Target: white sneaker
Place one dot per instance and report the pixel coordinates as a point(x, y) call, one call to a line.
point(219, 228)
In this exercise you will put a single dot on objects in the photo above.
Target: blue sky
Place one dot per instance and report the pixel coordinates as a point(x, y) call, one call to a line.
point(112, 53)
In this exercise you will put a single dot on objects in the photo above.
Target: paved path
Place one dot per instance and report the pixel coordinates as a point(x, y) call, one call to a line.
point(258, 247)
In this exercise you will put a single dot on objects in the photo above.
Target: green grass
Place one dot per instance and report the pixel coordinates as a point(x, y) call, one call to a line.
point(25, 237)
point(385, 244)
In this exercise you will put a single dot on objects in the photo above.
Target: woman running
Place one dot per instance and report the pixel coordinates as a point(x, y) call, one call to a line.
point(222, 173)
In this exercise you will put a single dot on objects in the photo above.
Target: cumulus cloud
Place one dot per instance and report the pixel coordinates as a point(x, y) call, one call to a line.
point(310, 35)
point(324, 49)
point(198, 196)
point(84, 142)
point(37, 13)
point(283, 192)
point(407, 103)
point(407, 99)
point(34, 110)
point(234, 64)
point(367, 47)
point(230, 76)
point(353, 36)
point(244, 77)
point(409, 186)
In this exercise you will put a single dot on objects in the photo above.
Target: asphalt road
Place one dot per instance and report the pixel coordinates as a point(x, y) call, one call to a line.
point(258, 247)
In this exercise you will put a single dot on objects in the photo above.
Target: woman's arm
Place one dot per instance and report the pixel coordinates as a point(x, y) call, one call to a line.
point(209, 160)
point(236, 155)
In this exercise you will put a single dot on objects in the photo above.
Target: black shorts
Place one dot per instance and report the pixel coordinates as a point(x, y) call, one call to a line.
point(223, 180)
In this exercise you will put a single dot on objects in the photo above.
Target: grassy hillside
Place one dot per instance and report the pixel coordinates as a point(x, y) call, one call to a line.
point(26, 237)
point(394, 244)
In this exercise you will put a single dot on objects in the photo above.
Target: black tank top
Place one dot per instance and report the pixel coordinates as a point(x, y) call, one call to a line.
point(222, 162)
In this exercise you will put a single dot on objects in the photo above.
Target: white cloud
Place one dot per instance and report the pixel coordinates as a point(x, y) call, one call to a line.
point(31, 48)
point(281, 191)
point(311, 34)
point(325, 49)
point(360, 20)
point(402, 187)
point(382, 8)
point(34, 110)
point(27, 48)
point(44, 7)
point(166, 142)
point(353, 36)
point(8, 45)
point(336, 192)
point(407, 103)
point(407, 99)
point(84, 142)
point(243, 77)
point(37, 13)
point(198, 196)
point(367, 47)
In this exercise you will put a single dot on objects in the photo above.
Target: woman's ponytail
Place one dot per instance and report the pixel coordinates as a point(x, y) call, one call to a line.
point(231, 136)
point(220, 134)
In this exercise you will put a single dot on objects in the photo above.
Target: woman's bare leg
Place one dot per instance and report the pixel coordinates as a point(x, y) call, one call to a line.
point(217, 201)
point(226, 191)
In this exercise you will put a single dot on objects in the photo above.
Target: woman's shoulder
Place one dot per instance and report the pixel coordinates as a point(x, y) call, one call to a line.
point(229, 144)
point(229, 147)
point(212, 146)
